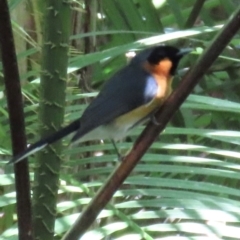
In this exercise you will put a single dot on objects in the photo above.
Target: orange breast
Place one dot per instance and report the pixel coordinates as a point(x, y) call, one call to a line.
point(164, 81)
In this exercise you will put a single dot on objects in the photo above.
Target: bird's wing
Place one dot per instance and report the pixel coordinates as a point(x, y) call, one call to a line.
point(129, 89)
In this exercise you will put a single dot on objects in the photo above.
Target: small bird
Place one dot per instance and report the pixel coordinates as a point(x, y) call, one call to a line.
point(130, 97)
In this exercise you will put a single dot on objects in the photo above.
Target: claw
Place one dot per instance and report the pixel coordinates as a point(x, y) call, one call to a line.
point(154, 120)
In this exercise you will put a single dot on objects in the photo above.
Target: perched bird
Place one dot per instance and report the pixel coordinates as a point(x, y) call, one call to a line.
point(129, 98)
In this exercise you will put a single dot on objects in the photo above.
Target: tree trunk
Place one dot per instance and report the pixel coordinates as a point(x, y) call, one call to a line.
point(53, 85)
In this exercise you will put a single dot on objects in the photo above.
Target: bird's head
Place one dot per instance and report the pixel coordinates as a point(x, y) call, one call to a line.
point(166, 58)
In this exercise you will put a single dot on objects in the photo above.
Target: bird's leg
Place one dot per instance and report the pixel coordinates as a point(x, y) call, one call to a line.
point(120, 157)
point(154, 120)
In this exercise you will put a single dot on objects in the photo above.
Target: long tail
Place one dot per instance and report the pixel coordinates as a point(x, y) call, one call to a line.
point(74, 126)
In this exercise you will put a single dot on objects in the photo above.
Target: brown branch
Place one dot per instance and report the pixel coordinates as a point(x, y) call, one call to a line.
point(152, 131)
point(194, 13)
point(16, 117)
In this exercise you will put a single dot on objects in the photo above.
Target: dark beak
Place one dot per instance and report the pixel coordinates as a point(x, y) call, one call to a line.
point(184, 51)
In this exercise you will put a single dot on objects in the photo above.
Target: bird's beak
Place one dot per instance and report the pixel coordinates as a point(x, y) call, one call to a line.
point(184, 51)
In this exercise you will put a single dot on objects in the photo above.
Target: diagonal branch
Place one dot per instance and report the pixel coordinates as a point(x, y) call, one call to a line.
point(16, 117)
point(152, 131)
point(194, 13)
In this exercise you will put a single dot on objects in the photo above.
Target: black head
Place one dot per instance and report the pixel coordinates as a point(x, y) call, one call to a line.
point(167, 53)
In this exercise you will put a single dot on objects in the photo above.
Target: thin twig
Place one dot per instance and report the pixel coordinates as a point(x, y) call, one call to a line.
point(194, 14)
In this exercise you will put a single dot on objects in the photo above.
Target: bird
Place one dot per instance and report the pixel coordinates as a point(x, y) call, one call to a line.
point(129, 98)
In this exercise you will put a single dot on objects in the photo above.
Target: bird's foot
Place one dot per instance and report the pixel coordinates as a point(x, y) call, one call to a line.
point(154, 120)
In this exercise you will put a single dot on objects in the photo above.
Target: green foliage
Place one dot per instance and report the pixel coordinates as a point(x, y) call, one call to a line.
point(186, 186)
